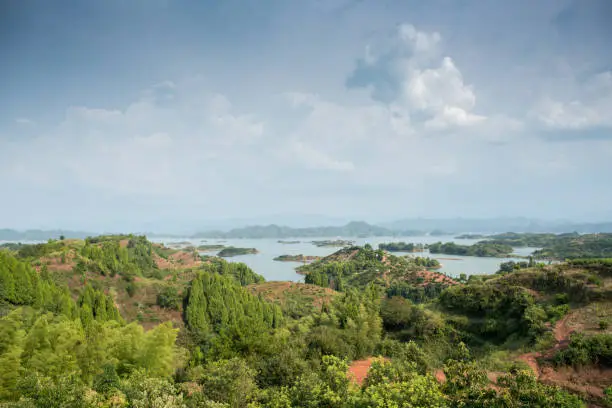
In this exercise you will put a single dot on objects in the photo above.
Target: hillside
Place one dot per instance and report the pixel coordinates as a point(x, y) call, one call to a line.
point(359, 266)
point(119, 321)
point(295, 299)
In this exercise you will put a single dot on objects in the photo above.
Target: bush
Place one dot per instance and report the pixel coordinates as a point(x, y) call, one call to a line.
point(130, 288)
point(583, 350)
point(169, 298)
point(604, 324)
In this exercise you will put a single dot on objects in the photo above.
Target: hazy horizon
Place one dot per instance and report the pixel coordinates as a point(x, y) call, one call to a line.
point(179, 115)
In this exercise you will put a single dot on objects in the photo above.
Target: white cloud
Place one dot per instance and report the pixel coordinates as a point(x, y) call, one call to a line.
point(163, 143)
point(419, 82)
point(588, 106)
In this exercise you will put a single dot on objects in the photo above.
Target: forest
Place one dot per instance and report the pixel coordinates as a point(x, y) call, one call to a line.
point(118, 321)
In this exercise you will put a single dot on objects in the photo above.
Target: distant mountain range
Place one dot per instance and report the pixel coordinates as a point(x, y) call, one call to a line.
point(401, 228)
point(352, 229)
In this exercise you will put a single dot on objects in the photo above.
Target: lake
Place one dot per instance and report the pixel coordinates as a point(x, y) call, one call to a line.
point(263, 262)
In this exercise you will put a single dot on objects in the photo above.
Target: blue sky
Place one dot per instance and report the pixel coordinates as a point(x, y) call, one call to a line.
point(174, 113)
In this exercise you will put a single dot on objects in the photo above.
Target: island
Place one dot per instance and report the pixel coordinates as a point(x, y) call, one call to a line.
point(234, 251)
point(333, 243)
point(210, 248)
point(471, 236)
point(400, 247)
point(482, 249)
point(297, 258)
point(288, 242)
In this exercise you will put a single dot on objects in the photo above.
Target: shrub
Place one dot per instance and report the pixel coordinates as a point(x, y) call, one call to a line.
point(169, 298)
point(583, 350)
point(130, 288)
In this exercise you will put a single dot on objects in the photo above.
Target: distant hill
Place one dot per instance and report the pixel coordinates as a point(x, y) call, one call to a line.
point(39, 235)
point(496, 225)
point(352, 229)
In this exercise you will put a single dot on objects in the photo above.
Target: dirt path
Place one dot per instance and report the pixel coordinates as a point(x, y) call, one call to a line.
point(561, 332)
point(358, 370)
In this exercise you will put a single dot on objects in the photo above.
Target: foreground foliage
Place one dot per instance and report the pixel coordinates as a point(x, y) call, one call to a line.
point(231, 345)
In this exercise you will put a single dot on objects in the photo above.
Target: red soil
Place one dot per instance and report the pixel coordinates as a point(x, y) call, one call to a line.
point(358, 370)
point(180, 259)
point(435, 277)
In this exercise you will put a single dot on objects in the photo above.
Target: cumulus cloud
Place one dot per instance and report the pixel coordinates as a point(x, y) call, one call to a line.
point(408, 72)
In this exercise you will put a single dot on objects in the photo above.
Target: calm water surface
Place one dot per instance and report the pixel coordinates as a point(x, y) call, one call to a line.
point(264, 264)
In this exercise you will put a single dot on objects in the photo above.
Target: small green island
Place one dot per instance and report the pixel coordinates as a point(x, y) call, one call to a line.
point(210, 248)
point(471, 236)
point(233, 251)
point(333, 243)
point(297, 258)
point(399, 247)
point(280, 241)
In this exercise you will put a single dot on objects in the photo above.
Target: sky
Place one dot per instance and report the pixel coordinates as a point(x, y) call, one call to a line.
point(175, 114)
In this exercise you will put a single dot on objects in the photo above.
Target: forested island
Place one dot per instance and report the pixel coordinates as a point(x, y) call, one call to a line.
point(297, 258)
point(400, 247)
point(118, 321)
point(233, 251)
point(210, 247)
point(333, 243)
point(470, 236)
point(483, 249)
point(557, 246)
point(288, 242)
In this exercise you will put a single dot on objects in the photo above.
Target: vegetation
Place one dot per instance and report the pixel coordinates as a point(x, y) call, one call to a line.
point(73, 335)
point(577, 246)
point(483, 249)
point(527, 239)
point(211, 247)
point(470, 236)
point(399, 247)
point(426, 262)
point(584, 351)
point(233, 251)
point(333, 243)
point(297, 258)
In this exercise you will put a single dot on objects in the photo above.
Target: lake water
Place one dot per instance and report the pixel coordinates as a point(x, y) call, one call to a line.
point(264, 264)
